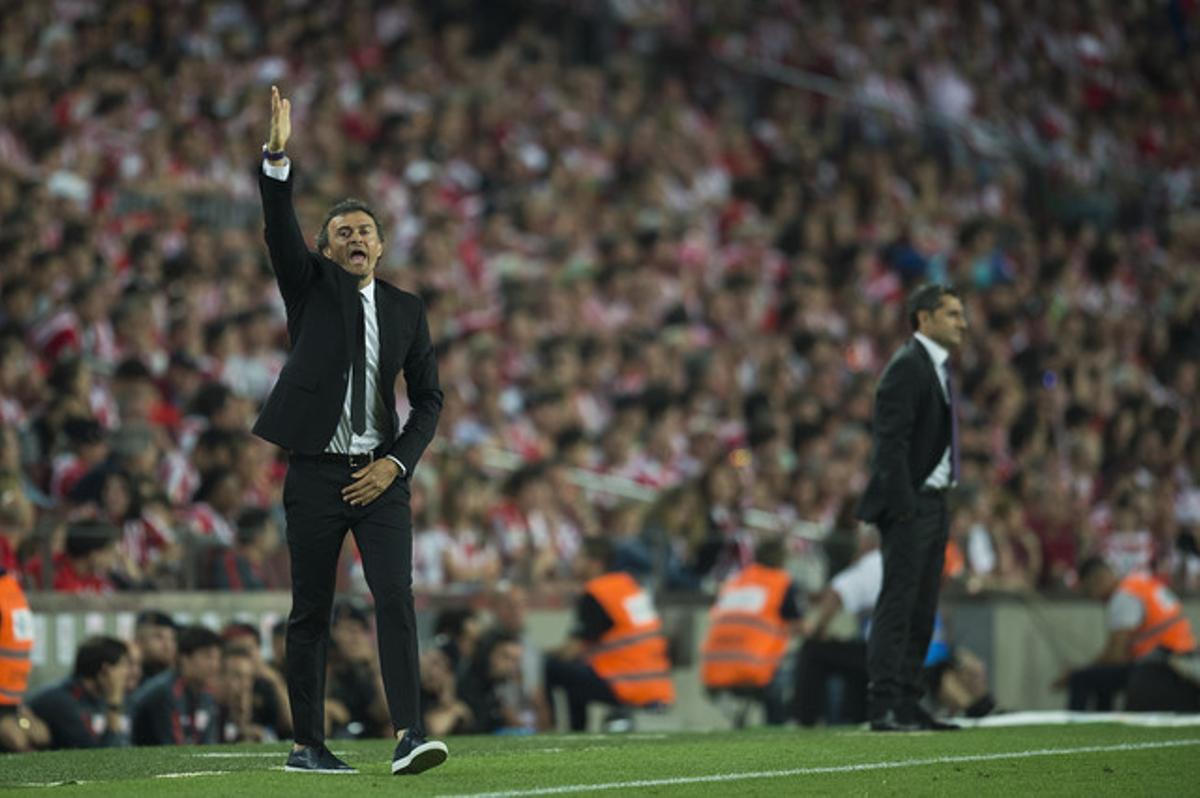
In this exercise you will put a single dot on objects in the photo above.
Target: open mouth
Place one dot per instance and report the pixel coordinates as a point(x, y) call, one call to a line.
point(358, 257)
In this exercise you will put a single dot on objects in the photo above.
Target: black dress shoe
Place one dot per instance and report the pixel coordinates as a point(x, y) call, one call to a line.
point(414, 754)
point(929, 723)
point(316, 759)
point(891, 721)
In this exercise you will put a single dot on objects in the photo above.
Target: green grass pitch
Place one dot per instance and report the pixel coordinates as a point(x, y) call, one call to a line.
point(1084, 760)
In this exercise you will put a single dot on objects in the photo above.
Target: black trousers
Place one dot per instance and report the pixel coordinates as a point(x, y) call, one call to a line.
point(582, 686)
point(902, 625)
point(317, 521)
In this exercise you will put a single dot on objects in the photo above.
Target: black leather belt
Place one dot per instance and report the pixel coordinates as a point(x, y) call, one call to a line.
point(351, 461)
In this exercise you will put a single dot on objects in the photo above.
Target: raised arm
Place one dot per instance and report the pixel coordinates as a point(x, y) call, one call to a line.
point(290, 258)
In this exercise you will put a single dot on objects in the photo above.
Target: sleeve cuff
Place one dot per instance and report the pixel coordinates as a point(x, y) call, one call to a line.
point(279, 170)
point(396, 460)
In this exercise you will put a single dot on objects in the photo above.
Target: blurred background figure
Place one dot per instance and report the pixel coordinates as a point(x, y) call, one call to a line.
point(178, 706)
point(1146, 628)
point(89, 709)
point(752, 621)
point(155, 635)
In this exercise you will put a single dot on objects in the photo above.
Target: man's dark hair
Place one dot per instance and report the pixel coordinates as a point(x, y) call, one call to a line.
point(195, 638)
point(770, 553)
point(85, 537)
point(210, 398)
point(250, 524)
point(1090, 566)
point(451, 621)
point(210, 480)
point(237, 629)
point(929, 298)
point(155, 618)
point(96, 652)
point(599, 549)
point(348, 205)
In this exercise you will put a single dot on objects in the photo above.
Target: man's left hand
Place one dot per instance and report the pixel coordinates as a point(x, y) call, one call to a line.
point(372, 481)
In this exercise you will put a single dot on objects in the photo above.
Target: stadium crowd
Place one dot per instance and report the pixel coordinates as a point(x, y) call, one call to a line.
point(646, 265)
point(639, 261)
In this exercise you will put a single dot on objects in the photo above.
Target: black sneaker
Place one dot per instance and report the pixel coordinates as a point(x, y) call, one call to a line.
point(414, 754)
point(316, 759)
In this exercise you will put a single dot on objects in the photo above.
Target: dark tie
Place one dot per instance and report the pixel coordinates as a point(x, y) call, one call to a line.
point(952, 396)
point(358, 384)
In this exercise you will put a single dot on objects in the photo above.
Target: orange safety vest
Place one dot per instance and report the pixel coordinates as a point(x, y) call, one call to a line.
point(632, 655)
point(16, 641)
point(1163, 623)
point(748, 635)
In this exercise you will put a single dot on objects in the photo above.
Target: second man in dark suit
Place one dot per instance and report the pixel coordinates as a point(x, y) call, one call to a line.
point(914, 463)
point(333, 409)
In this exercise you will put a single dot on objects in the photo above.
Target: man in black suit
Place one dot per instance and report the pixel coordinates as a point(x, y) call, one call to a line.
point(333, 409)
point(914, 463)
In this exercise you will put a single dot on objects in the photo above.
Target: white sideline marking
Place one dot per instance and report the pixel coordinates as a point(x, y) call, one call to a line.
point(775, 774)
point(193, 773)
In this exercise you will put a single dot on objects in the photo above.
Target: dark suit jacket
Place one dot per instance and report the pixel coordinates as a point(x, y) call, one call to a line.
point(321, 298)
point(910, 433)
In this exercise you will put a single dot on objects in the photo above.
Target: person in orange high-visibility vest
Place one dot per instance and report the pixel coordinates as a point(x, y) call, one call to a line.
point(16, 650)
point(1146, 627)
point(755, 613)
point(616, 653)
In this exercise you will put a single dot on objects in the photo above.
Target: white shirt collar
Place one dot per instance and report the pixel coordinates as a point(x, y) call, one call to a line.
point(936, 351)
point(368, 292)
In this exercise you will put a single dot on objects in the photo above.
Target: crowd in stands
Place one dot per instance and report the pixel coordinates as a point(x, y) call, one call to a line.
point(641, 260)
point(185, 685)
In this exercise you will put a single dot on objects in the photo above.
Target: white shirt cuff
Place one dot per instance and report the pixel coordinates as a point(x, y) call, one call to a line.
point(278, 170)
point(396, 460)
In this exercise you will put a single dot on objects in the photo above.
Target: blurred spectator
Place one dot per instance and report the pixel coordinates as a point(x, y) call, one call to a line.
point(456, 631)
point(269, 706)
point(355, 705)
point(154, 634)
point(491, 686)
point(16, 648)
point(88, 709)
point(278, 661)
point(16, 522)
point(85, 563)
point(240, 567)
point(443, 712)
point(752, 620)
point(1146, 626)
point(616, 633)
point(178, 706)
point(235, 700)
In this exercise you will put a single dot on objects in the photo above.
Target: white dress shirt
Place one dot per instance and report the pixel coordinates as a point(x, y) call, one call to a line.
point(345, 440)
point(940, 477)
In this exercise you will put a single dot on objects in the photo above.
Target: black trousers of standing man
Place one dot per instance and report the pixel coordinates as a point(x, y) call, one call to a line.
point(914, 550)
point(317, 521)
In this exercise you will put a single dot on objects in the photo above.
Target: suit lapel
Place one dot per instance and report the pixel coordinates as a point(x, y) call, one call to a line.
point(385, 317)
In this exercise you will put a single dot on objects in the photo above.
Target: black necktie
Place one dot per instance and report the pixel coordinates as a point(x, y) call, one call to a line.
point(358, 385)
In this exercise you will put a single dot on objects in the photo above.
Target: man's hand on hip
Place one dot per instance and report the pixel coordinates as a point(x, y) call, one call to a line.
point(372, 480)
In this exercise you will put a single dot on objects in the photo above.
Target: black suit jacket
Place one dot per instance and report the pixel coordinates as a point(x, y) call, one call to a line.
point(321, 298)
point(910, 433)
